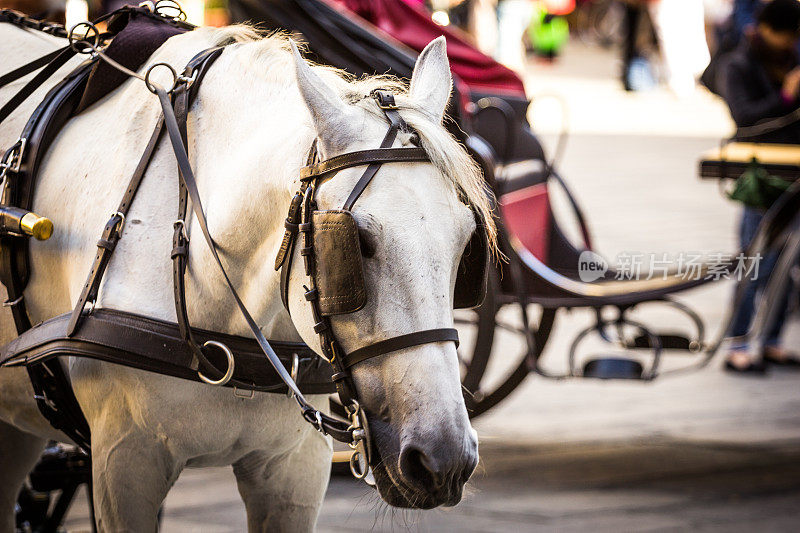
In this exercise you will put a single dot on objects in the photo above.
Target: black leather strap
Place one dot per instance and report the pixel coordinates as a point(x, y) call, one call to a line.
point(157, 346)
point(400, 343)
point(363, 157)
point(395, 123)
point(113, 231)
point(27, 68)
point(336, 428)
point(21, 20)
point(64, 55)
point(197, 68)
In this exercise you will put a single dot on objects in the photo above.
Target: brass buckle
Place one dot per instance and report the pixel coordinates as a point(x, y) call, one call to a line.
point(121, 224)
point(384, 99)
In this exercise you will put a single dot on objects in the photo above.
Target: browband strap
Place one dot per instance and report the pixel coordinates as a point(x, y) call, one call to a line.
point(399, 343)
point(363, 157)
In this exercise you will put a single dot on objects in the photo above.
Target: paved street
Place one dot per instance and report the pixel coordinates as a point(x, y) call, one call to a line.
point(701, 452)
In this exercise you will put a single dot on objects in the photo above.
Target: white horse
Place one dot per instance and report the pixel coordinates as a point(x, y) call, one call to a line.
point(250, 130)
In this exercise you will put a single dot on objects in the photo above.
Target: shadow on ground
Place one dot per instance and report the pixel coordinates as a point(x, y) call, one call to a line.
point(630, 486)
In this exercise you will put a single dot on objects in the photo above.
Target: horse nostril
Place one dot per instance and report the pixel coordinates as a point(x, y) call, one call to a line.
point(418, 469)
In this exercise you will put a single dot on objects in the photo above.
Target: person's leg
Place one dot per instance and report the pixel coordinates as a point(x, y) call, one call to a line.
point(773, 351)
point(633, 13)
point(680, 27)
point(743, 314)
point(631, 25)
point(738, 355)
point(513, 17)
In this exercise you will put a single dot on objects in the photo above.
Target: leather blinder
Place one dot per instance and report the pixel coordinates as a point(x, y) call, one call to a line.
point(340, 276)
point(471, 278)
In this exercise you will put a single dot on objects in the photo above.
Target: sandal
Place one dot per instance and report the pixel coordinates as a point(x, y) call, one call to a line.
point(787, 359)
point(752, 367)
point(756, 367)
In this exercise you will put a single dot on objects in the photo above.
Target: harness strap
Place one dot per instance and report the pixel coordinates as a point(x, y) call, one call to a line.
point(21, 20)
point(64, 55)
point(399, 153)
point(56, 400)
point(27, 68)
point(113, 231)
point(197, 68)
point(400, 343)
point(362, 157)
point(154, 345)
point(336, 428)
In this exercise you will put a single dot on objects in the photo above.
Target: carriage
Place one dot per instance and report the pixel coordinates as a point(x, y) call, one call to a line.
point(542, 270)
point(541, 274)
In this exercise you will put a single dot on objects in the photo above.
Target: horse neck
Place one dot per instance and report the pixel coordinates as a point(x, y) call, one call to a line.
point(252, 135)
point(244, 153)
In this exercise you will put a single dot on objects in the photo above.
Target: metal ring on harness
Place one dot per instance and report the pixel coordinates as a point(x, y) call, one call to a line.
point(357, 465)
point(295, 372)
point(87, 47)
point(163, 8)
point(152, 87)
point(231, 364)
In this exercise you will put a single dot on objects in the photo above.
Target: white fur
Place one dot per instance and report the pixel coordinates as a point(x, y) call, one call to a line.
point(249, 133)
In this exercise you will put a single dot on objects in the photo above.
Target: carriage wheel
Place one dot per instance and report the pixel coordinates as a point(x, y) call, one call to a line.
point(478, 329)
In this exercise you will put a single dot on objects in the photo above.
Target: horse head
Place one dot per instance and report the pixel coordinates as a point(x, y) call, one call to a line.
point(414, 222)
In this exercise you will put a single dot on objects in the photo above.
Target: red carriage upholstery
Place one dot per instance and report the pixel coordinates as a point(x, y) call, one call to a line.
point(411, 24)
point(526, 214)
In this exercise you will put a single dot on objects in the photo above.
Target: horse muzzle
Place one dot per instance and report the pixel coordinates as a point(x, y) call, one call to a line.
point(424, 472)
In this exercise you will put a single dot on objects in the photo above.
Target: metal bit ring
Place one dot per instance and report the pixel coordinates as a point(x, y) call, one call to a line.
point(231, 364)
point(88, 46)
point(152, 87)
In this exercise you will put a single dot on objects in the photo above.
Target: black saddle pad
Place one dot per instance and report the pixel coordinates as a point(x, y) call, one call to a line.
point(140, 34)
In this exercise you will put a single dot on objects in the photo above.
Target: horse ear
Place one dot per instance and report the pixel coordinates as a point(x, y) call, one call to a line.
point(431, 82)
point(333, 119)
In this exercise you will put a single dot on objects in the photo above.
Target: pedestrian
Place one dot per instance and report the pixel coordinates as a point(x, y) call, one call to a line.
point(759, 81)
point(680, 27)
point(513, 17)
point(637, 72)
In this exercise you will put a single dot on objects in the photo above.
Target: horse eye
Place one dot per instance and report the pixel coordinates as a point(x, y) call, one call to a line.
point(367, 242)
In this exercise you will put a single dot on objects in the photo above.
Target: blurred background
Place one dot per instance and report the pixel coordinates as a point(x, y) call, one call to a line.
point(617, 96)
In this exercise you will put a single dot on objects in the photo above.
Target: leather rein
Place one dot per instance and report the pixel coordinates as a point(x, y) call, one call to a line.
point(175, 104)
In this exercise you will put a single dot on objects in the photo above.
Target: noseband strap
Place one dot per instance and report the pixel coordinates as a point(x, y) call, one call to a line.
point(400, 343)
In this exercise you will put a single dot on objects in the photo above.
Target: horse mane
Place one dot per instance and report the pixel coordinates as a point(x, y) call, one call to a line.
point(446, 153)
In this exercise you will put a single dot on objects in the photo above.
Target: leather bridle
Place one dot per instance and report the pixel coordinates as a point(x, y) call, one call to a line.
point(299, 221)
point(175, 104)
